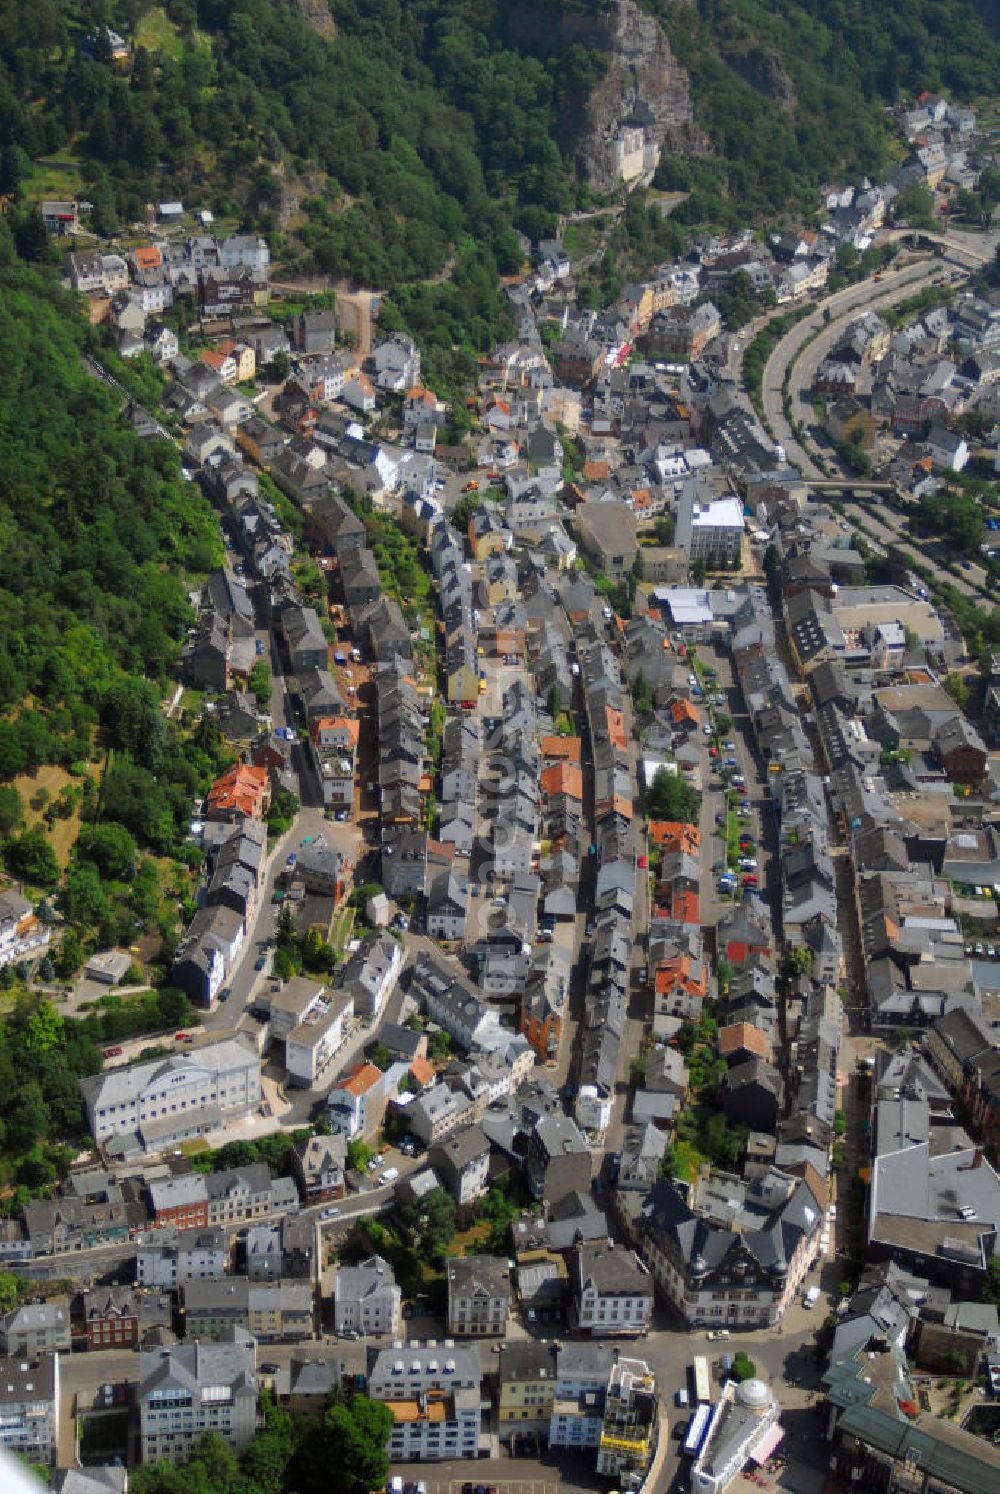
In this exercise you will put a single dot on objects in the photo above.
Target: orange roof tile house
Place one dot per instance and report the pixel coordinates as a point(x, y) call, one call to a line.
point(683, 713)
point(561, 749)
point(241, 792)
point(562, 778)
point(672, 835)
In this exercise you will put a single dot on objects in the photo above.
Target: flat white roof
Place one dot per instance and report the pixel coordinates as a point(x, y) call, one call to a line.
point(719, 513)
point(688, 605)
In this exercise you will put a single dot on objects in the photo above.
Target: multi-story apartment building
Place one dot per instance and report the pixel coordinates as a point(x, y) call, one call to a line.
point(179, 1203)
point(366, 1298)
point(434, 1396)
point(193, 1388)
point(36, 1328)
point(29, 1407)
point(583, 1370)
point(613, 1289)
point(710, 532)
point(169, 1258)
point(527, 1389)
point(154, 1105)
point(478, 1295)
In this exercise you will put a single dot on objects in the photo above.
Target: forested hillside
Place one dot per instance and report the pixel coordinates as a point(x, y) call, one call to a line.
point(97, 530)
point(420, 125)
point(793, 92)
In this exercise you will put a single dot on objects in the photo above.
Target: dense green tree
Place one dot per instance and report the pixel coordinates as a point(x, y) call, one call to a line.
point(427, 1224)
point(346, 1452)
point(11, 810)
point(30, 855)
point(110, 847)
point(670, 798)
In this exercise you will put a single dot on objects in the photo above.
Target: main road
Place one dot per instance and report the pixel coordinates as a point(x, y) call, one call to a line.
point(828, 319)
point(796, 359)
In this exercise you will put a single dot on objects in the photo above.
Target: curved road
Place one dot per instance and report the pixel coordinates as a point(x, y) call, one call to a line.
point(896, 285)
point(797, 358)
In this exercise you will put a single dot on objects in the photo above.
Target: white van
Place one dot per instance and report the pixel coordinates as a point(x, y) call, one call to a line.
point(811, 1297)
point(390, 1175)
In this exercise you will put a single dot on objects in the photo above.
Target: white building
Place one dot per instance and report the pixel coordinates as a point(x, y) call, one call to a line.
point(593, 1108)
point(245, 251)
point(434, 1396)
point(744, 1428)
point(478, 1295)
point(710, 531)
point(371, 974)
point(157, 1104)
point(171, 1258)
point(193, 1388)
point(583, 1370)
point(437, 1112)
point(21, 932)
point(366, 1298)
point(319, 1035)
point(614, 1291)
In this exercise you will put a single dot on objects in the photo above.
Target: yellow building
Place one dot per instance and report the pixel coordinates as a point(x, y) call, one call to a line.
point(527, 1388)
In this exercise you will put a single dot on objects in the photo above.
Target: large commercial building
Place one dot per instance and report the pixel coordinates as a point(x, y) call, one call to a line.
point(150, 1106)
point(711, 531)
point(194, 1388)
point(434, 1396)
point(744, 1428)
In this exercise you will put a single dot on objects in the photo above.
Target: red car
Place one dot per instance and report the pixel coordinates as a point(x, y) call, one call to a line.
point(750, 880)
point(643, 862)
point(180, 1037)
point(113, 1052)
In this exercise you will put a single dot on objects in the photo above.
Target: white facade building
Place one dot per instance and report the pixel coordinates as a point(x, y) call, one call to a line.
point(710, 531)
point(366, 1298)
point(29, 1407)
point(193, 1388)
point(744, 1426)
point(434, 1395)
point(172, 1099)
point(172, 1258)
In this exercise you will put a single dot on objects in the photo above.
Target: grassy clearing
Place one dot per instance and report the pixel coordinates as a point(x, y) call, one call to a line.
point(468, 1240)
point(194, 1147)
point(157, 34)
point(58, 176)
point(51, 780)
point(732, 837)
point(343, 927)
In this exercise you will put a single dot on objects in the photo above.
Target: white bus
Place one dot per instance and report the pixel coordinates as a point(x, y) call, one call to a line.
point(702, 1379)
point(697, 1427)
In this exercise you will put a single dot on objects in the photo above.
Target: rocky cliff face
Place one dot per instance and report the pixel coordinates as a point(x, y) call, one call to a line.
point(644, 86)
point(316, 13)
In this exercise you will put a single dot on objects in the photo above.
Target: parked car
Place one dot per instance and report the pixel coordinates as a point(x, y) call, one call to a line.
point(329, 1213)
point(717, 1335)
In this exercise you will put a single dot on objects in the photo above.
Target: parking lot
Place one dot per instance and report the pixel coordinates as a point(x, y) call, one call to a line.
point(456, 1486)
point(552, 1473)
